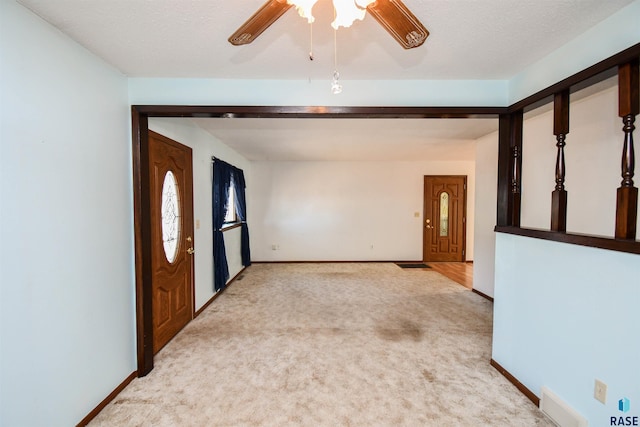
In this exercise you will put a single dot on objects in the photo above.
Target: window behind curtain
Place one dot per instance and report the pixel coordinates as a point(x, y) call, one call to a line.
point(231, 215)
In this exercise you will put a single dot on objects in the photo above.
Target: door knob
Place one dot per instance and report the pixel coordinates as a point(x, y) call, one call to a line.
point(190, 251)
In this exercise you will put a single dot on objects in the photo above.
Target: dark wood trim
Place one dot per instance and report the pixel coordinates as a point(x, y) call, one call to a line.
point(513, 380)
point(628, 92)
point(208, 303)
point(587, 77)
point(626, 213)
point(625, 65)
point(217, 294)
point(86, 420)
point(142, 237)
point(561, 113)
point(504, 174)
point(315, 112)
point(509, 168)
point(517, 123)
point(482, 294)
point(618, 245)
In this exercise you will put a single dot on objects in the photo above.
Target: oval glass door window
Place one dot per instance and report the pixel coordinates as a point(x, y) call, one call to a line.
point(444, 214)
point(170, 213)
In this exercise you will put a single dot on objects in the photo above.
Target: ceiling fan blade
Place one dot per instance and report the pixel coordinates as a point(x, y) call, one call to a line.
point(260, 21)
point(394, 16)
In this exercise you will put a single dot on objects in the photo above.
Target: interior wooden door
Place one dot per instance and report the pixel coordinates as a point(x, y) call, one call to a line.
point(444, 228)
point(171, 193)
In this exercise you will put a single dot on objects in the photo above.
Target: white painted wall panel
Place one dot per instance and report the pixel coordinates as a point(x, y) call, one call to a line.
point(485, 213)
point(565, 315)
point(66, 257)
point(316, 92)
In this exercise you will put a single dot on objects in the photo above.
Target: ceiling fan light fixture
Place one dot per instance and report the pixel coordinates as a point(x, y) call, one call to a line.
point(392, 15)
point(304, 8)
point(347, 11)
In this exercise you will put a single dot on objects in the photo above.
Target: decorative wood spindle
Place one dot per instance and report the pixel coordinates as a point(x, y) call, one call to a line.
point(629, 107)
point(516, 167)
point(509, 169)
point(560, 130)
point(515, 185)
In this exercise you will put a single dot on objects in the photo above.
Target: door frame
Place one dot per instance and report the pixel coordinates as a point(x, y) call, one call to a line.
point(464, 220)
point(141, 197)
point(143, 245)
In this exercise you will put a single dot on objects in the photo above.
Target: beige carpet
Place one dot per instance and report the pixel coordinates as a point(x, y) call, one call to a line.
point(330, 345)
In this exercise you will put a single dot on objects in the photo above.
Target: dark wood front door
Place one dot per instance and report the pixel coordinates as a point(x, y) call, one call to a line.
point(171, 193)
point(444, 228)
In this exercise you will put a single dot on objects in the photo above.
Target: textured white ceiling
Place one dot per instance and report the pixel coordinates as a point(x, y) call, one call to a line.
point(470, 39)
point(350, 139)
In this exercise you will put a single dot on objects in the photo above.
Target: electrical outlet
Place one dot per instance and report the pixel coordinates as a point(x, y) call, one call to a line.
point(600, 392)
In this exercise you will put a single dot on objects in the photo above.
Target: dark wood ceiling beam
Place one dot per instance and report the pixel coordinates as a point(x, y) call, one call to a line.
point(232, 111)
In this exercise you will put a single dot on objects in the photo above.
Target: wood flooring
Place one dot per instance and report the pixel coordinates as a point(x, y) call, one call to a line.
point(459, 272)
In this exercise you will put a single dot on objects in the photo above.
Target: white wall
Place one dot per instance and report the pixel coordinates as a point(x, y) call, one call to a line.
point(485, 213)
point(302, 92)
point(336, 211)
point(565, 315)
point(204, 146)
point(66, 259)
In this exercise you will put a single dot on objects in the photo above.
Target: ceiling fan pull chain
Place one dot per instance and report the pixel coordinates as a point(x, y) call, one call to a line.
point(336, 87)
point(311, 41)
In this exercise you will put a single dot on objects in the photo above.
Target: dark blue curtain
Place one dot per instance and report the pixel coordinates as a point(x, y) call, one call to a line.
point(221, 181)
point(241, 209)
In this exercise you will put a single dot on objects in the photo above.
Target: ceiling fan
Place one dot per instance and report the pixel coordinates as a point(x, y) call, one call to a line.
point(393, 15)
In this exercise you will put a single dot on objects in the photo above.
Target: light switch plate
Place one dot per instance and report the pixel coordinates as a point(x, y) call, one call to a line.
point(600, 391)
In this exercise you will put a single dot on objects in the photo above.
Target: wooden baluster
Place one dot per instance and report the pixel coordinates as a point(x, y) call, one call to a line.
point(503, 212)
point(516, 167)
point(560, 130)
point(509, 169)
point(515, 186)
point(628, 108)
